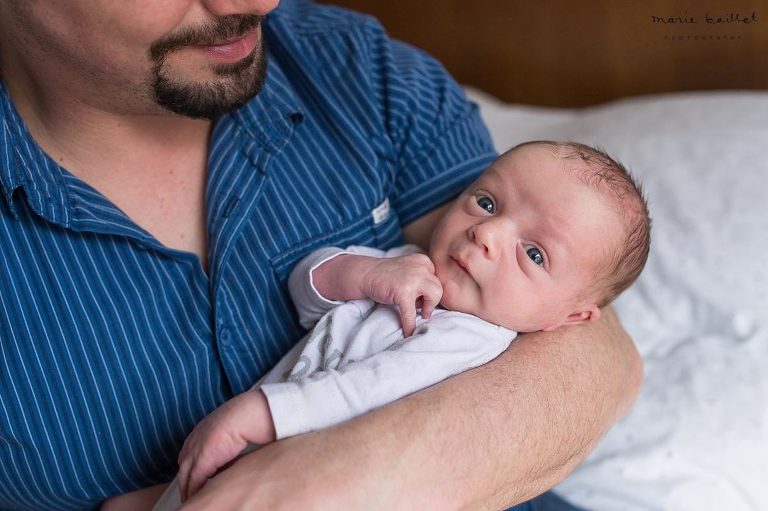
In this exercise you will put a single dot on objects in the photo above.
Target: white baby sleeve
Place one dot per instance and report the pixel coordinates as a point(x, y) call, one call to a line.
point(310, 304)
point(447, 344)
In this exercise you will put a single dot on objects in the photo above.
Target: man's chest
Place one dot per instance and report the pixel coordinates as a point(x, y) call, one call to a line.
point(124, 340)
point(169, 205)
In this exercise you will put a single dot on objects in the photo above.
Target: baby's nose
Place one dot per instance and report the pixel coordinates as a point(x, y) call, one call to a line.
point(489, 237)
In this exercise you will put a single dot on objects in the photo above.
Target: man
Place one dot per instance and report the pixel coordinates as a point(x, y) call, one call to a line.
point(144, 248)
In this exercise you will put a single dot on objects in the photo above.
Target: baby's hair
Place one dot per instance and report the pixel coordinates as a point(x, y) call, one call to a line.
point(603, 173)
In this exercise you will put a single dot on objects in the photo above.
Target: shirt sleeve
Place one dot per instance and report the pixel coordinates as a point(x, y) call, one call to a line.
point(447, 344)
point(309, 303)
point(441, 143)
point(418, 119)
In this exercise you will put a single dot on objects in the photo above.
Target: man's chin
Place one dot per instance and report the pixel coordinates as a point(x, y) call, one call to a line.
point(228, 88)
point(200, 101)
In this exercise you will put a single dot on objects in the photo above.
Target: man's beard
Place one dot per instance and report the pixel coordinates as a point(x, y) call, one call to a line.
point(240, 81)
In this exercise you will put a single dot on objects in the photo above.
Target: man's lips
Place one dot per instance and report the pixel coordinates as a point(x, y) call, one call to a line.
point(233, 50)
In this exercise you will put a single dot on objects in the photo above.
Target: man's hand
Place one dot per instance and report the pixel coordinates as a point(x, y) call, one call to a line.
point(407, 281)
point(221, 437)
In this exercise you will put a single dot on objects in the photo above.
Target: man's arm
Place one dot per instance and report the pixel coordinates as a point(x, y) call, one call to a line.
point(518, 425)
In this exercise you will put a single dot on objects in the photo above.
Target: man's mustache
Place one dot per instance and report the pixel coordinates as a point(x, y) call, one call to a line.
point(223, 29)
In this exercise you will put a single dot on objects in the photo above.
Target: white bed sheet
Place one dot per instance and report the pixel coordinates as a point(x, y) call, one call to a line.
point(697, 438)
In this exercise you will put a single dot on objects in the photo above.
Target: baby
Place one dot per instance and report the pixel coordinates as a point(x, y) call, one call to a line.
point(548, 235)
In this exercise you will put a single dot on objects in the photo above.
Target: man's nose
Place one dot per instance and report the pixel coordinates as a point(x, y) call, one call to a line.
point(490, 236)
point(227, 7)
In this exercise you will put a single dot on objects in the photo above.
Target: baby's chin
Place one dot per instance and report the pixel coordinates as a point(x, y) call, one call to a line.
point(452, 298)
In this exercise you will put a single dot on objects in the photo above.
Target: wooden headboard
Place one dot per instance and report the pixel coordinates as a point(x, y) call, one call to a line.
point(576, 53)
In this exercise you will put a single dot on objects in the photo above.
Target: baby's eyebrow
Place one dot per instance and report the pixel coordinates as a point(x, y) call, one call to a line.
point(559, 239)
point(493, 181)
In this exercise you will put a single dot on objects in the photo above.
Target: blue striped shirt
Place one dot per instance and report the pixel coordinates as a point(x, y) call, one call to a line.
point(113, 346)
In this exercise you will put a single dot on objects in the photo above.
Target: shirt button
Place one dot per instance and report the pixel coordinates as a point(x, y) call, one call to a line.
point(225, 336)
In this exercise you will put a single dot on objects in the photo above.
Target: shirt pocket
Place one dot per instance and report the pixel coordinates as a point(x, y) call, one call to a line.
point(379, 228)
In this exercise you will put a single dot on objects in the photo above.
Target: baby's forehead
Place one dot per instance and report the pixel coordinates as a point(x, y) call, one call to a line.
point(581, 168)
point(591, 171)
point(590, 166)
point(572, 159)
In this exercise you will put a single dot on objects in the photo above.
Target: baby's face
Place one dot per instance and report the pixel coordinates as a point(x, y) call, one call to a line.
point(520, 246)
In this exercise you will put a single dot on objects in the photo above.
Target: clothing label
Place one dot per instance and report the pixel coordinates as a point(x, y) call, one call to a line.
point(381, 212)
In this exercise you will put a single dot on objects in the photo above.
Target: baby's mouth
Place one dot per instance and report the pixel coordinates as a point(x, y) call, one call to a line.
point(461, 265)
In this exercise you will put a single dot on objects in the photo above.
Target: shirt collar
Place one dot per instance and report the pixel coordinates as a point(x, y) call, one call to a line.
point(23, 164)
point(270, 117)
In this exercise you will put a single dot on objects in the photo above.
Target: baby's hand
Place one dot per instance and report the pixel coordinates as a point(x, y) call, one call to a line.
point(221, 437)
point(407, 281)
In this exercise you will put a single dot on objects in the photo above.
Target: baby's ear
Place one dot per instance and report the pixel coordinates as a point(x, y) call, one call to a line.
point(589, 313)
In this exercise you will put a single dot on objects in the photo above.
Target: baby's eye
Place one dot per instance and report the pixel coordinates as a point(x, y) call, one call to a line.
point(535, 255)
point(486, 203)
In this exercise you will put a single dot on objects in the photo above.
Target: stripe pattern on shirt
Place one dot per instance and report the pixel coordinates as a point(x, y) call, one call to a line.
point(113, 346)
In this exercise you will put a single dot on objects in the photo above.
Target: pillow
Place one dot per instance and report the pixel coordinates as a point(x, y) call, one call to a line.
point(697, 438)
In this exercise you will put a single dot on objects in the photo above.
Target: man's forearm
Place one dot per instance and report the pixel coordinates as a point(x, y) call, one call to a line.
point(507, 431)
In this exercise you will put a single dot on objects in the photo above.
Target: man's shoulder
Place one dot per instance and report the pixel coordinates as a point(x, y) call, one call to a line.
point(305, 18)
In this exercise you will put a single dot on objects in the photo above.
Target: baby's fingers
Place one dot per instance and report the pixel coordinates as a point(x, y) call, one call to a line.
point(194, 471)
point(430, 296)
point(408, 316)
point(198, 476)
point(183, 477)
point(429, 302)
